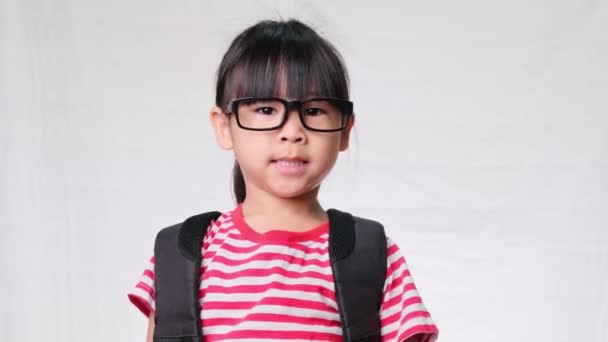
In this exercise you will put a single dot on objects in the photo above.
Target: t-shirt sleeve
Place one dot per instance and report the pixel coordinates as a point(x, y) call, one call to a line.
point(142, 294)
point(402, 313)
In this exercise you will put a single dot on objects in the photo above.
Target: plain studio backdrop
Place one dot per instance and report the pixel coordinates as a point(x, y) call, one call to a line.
point(481, 144)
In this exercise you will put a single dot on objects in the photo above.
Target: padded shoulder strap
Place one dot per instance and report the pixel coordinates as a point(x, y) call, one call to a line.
point(357, 250)
point(177, 254)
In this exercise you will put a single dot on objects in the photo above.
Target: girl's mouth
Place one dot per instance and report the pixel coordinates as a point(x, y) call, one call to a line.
point(290, 166)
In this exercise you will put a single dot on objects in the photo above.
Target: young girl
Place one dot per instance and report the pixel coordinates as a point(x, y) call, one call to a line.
point(282, 107)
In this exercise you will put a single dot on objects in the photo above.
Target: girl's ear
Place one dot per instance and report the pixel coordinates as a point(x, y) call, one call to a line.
point(221, 126)
point(345, 134)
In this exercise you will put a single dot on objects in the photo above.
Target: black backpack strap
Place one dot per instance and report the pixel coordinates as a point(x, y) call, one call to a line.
point(357, 250)
point(177, 254)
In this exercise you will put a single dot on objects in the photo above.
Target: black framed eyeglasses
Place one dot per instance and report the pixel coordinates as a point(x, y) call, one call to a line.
point(319, 114)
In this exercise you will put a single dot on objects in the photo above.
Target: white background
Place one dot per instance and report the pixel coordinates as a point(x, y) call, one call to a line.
point(481, 144)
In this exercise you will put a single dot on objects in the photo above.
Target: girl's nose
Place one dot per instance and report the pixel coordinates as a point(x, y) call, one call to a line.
point(293, 130)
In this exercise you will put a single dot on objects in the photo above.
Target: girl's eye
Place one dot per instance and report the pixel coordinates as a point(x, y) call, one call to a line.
point(266, 110)
point(313, 111)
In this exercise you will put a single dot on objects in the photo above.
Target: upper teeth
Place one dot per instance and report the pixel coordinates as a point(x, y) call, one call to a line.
point(290, 163)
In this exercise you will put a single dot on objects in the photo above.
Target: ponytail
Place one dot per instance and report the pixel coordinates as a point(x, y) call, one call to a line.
point(238, 183)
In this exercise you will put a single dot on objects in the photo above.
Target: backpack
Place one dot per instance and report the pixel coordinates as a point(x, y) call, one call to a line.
point(357, 251)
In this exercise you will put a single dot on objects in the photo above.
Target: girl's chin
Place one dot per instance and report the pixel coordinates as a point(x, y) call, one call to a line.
point(291, 192)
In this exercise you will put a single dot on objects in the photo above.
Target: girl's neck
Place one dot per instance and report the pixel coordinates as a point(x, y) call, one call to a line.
point(264, 212)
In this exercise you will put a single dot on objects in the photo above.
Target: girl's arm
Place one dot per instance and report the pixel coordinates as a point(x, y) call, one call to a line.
point(150, 327)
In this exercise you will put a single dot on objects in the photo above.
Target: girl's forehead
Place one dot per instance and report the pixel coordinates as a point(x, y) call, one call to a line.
point(281, 89)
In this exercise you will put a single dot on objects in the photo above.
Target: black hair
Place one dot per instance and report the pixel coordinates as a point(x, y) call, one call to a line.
point(278, 58)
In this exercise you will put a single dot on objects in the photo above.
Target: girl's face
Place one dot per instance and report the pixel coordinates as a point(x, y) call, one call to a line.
point(287, 162)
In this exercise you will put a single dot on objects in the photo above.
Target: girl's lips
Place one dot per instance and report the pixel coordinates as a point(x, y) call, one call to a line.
point(290, 166)
point(290, 160)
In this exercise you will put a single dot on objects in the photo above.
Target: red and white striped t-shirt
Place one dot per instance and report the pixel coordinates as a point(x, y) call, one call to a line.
point(279, 286)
